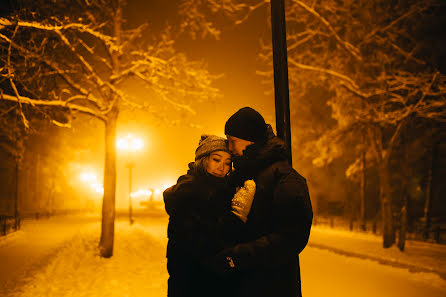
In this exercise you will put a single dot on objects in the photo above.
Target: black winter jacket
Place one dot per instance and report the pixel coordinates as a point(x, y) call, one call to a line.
point(200, 225)
point(278, 225)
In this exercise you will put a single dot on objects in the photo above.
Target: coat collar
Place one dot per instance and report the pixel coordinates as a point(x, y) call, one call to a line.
point(259, 156)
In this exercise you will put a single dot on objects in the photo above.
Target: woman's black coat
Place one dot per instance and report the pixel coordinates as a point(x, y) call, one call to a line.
point(200, 225)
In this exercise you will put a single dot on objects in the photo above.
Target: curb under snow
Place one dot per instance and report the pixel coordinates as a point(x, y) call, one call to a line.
point(394, 263)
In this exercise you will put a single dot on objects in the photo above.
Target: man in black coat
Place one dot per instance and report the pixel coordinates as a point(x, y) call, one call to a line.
point(278, 225)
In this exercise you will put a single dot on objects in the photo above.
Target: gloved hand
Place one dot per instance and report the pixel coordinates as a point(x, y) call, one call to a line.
point(220, 263)
point(242, 201)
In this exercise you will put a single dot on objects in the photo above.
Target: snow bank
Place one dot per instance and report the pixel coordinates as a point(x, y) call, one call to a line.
point(10, 237)
point(137, 268)
point(417, 257)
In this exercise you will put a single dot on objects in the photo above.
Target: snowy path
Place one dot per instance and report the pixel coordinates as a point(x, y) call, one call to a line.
point(418, 256)
point(74, 268)
point(138, 266)
point(325, 273)
point(28, 250)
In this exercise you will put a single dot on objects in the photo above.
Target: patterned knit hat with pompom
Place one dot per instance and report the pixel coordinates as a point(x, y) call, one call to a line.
point(209, 144)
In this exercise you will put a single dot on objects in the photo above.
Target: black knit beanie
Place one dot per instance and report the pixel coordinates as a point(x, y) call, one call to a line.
point(247, 124)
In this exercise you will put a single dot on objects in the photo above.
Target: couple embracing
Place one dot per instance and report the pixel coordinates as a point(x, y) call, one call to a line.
point(238, 232)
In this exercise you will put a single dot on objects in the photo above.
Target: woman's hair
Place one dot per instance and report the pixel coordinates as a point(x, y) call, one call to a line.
point(200, 165)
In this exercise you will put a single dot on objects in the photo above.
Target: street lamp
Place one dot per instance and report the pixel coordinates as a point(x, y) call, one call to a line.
point(88, 177)
point(130, 144)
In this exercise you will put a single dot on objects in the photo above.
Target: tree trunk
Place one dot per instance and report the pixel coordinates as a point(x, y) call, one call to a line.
point(404, 196)
point(362, 185)
point(386, 208)
point(428, 202)
point(108, 202)
point(16, 196)
point(403, 227)
point(37, 197)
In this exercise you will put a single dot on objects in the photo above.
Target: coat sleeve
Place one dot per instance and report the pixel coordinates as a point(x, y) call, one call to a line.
point(177, 197)
point(197, 231)
point(292, 218)
point(182, 204)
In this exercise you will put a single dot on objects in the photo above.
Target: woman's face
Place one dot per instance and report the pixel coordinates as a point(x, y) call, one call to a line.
point(219, 163)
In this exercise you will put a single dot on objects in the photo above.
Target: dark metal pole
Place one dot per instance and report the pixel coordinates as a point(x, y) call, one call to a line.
point(281, 90)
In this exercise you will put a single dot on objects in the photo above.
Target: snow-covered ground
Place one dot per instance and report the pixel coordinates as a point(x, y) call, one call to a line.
point(65, 262)
point(417, 256)
point(328, 274)
point(74, 268)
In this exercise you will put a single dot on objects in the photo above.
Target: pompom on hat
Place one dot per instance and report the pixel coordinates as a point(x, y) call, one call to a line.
point(247, 124)
point(209, 144)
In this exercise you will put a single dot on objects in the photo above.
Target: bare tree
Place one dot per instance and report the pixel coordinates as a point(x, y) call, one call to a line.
point(76, 56)
point(369, 55)
point(366, 53)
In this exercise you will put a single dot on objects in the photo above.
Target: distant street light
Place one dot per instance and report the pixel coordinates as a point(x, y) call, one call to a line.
point(141, 193)
point(88, 177)
point(130, 144)
point(98, 188)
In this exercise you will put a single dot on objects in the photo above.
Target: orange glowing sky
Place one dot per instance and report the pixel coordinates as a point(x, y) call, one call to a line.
point(169, 149)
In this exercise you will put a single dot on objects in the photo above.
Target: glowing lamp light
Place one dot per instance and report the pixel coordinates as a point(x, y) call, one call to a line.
point(88, 177)
point(141, 193)
point(136, 144)
point(123, 144)
point(157, 191)
point(130, 143)
point(98, 188)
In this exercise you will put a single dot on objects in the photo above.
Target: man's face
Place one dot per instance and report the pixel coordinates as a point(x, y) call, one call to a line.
point(237, 145)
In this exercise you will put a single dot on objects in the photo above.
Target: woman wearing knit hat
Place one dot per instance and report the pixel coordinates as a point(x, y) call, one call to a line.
point(205, 216)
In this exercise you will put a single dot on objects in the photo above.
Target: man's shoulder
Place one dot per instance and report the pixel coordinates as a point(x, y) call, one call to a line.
point(280, 172)
point(282, 169)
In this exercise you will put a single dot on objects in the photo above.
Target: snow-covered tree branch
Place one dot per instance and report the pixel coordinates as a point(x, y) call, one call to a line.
point(80, 60)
